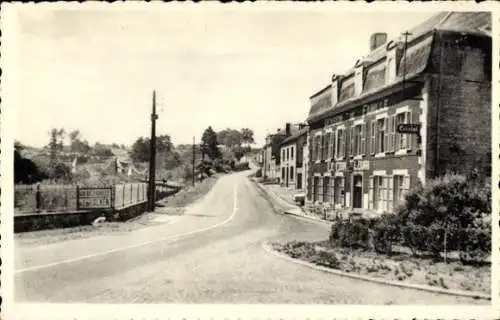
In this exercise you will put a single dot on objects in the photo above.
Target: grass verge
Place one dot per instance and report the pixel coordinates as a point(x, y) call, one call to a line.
point(402, 267)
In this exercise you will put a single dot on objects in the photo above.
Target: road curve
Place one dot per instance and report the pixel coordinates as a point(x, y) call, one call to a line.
point(212, 255)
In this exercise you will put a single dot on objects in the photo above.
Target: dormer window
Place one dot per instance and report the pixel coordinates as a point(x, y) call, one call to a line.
point(391, 63)
point(358, 78)
point(335, 90)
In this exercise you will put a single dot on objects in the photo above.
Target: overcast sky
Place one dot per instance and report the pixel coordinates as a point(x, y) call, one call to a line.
point(95, 70)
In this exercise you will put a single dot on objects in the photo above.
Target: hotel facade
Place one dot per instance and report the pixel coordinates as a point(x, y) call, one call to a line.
point(437, 78)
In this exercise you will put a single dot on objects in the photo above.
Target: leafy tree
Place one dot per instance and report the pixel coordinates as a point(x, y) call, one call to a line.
point(25, 170)
point(56, 144)
point(77, 144)
point(141, 147)
point(247, 136)
point(102, 150)
point(229, 137)
point(209, 144)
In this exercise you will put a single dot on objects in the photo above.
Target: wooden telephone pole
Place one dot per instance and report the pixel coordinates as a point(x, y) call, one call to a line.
point(194, 159)
point(152, 158)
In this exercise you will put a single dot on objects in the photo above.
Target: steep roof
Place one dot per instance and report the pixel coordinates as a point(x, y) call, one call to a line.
point(418, 54)
point(294, 136)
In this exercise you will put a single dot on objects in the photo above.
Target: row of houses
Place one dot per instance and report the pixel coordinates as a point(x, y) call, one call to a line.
point(412, 109)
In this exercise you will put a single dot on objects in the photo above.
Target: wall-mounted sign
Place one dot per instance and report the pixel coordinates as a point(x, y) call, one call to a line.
point(361, 165)
point(408, 128)
point(94, 198)
point(340, 166)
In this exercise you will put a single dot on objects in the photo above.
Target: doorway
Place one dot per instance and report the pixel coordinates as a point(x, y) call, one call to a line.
point(357, 191)
point(299, 181)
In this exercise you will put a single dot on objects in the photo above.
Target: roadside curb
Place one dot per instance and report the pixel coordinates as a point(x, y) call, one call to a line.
point(292, 207)
point(474, 295)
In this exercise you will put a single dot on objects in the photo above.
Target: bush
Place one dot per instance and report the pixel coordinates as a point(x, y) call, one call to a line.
point(350, 234)
point(446, 208)
point(450, 199)
point(474, 245)
point(241, 166)
point(386, 233)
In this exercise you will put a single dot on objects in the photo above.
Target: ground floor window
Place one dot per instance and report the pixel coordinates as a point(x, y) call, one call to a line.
point(338, 193)
point(326, 189)
point(378, 191)
point(401, 186)
point(291, 174)
point(357, 191)
point(282, 173)
point(315, 189)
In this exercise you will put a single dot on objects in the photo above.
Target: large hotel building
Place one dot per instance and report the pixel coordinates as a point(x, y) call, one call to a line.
point(436, 76)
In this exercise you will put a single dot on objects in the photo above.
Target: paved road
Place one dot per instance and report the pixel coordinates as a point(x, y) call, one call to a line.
point(221, 264)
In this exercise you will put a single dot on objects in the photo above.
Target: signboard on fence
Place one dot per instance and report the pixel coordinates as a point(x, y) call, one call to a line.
point(94, 198)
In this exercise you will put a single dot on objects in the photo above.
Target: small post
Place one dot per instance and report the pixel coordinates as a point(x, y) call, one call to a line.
point(38, 198)
point(194, 154)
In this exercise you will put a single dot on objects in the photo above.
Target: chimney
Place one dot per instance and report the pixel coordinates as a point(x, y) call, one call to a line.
point(287, 129)
point(377, 39)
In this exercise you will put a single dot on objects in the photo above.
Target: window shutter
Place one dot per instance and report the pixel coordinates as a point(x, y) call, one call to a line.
point(373, 143)
point(390, 191)
point(320, 189)
point(392, 134)
point(406, 184)
point(351, 141)
point(386, 135)
point(363, 142)
point(333, 137)
point(409, 136)
point(342, 143)
point(370, 194)
point(384, 193)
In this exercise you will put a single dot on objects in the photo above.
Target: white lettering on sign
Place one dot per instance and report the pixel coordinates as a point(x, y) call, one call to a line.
point(95, 198)
point(361, 165)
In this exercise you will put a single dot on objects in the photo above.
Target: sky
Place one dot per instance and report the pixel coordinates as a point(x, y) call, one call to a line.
point(95, 70)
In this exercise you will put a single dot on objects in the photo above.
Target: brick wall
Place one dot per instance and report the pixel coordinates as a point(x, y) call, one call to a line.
point(459, 115)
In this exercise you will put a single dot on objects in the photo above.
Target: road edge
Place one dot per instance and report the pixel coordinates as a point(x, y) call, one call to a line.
point(472, 295)
point(137, 245)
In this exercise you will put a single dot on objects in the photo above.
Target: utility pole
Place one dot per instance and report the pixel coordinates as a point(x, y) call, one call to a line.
point(406, 34)
point(194, 154)
point(152, 158)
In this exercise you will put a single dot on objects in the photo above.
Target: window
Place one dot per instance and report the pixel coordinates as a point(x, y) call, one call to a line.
point(291, 152)
point(283, 154)
point(331, 146)
point(317, 147)
point(338, 190)
point(381, 137)
point(287, 153)
point(291, 174)
point(324, 146)
point(373, 137)
point(326, 191)
point(378, 193)
point(315, 189)
point(327, 142)
point(401, 186)
point(282, 174)
point(340, 144)
point(358, 140)
point(403, 141)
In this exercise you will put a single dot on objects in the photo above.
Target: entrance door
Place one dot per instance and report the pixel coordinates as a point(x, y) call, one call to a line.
point(286, 181)
point(299, 181)
point(357, 191)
